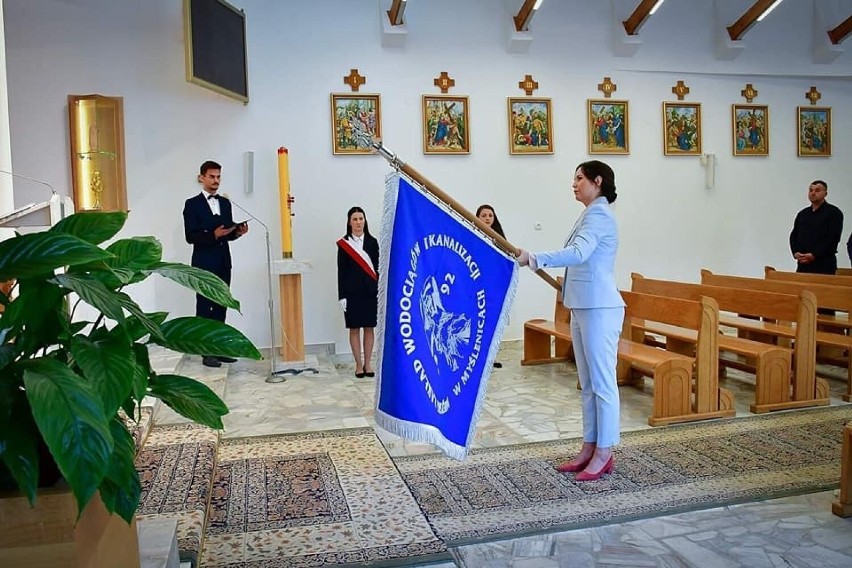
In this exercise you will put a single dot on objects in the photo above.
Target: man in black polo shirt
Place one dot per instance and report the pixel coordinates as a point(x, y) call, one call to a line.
point(816, 233)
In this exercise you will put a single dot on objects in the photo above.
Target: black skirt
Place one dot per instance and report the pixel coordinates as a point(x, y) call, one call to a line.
point(361, 312)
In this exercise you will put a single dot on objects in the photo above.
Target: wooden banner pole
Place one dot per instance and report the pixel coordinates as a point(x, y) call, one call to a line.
point(440, 194)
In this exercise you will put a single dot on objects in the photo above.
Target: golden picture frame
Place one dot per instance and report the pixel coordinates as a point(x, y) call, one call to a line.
point(608, 126)
point(750, 130)
point(530, 126)
point(352, 113)
point(813, 125)
point(446, 124)
point(681, 129)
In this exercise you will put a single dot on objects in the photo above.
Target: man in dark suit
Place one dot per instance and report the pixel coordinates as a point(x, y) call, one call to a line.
point(816, 233)
point(209, 226)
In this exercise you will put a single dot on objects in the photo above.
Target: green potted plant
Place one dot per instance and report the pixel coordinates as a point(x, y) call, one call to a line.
point(64, 380)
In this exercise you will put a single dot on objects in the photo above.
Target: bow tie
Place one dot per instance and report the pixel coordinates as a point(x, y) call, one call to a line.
point(212, 197)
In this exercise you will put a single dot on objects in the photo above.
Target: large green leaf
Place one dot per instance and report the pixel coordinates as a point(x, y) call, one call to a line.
point(122, 500)
point(200, 281)
point(130, 257)
point(7, 354)
point(112, 278)
point(133, 327)
point(200, 336)
point(150, 325)
point(19, 440)
point(35, 254)
point(37, 317)
point(190, 398)
point(122, 276)
point(71, 420)
point(121, 489)
point(129, 407)
point(135, 253)
point(141, 372)
point(92, 226)
point(109, 365)
point(76, 327)
point(93, 293)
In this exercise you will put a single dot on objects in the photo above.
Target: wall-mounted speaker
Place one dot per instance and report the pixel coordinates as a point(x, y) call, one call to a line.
point(248, 171)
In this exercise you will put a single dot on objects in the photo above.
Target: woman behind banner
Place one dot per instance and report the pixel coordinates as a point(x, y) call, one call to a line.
point(357, 287)
point(597, 313)
point(487, 215)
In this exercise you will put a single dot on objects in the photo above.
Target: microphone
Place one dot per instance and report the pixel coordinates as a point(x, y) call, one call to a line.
point(44, 183)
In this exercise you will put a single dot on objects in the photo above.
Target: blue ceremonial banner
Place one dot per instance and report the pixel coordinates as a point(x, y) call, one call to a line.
point(445, 292)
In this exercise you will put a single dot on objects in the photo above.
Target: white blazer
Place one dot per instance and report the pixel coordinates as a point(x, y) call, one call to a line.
point(589, 258)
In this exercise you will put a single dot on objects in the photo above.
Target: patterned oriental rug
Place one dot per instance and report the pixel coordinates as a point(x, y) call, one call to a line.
point(511, 491)
point(176, 468)
point(313, 499)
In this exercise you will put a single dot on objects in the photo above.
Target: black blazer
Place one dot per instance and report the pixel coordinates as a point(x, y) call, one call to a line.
point(208, 252)
point(352, 281)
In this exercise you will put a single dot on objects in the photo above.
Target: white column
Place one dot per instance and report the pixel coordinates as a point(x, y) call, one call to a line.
point(7, 200)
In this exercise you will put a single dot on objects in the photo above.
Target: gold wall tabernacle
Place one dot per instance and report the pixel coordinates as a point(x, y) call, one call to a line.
point(97, 152)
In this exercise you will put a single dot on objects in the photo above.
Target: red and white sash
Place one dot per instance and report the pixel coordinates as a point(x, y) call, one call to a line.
point(360, 257)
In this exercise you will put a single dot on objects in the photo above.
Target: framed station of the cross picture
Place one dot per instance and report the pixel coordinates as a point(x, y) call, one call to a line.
point(814, 127)
point(352, 114)
point(750, 126)
point(530, 126)
point(446, 125)
point(682, 129)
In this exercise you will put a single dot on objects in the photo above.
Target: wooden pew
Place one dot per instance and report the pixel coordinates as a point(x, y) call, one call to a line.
point(671, 372)
point(773, 365)
point(833, 297)
point(830, 279)
point(674, 402)
point(537, 333)
point(841, 321)
point(844, 272)
point(843, 506)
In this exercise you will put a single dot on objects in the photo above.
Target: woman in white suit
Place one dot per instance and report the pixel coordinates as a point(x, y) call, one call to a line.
point(597, 313)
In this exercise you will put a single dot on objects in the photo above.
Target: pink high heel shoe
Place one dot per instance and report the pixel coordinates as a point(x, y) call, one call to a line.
point(573, 466)
point(593, 476)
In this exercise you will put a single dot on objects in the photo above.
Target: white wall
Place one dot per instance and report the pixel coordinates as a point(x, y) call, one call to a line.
point(6, 199)
point(298, 53)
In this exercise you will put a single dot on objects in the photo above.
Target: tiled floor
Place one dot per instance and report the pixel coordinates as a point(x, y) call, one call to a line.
point(527, 404)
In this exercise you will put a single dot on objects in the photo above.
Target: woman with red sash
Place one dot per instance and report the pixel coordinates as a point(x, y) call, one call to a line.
point(358, 287)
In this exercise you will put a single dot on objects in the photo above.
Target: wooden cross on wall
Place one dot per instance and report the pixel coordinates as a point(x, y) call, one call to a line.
point(354, 80)
point(681, 90)
point(444, 82)
point(813, 95)
point(607, 87)
point(750, 93)
point(528, 85)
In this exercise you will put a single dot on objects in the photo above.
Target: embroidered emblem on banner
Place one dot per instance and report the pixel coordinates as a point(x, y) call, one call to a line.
point(452, 320)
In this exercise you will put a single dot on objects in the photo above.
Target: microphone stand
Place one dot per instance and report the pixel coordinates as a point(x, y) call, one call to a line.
point(57, 207)
point(44, 183)
point(274, 375)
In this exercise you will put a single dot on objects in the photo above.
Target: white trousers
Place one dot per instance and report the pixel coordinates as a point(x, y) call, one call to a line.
point(595, 334)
